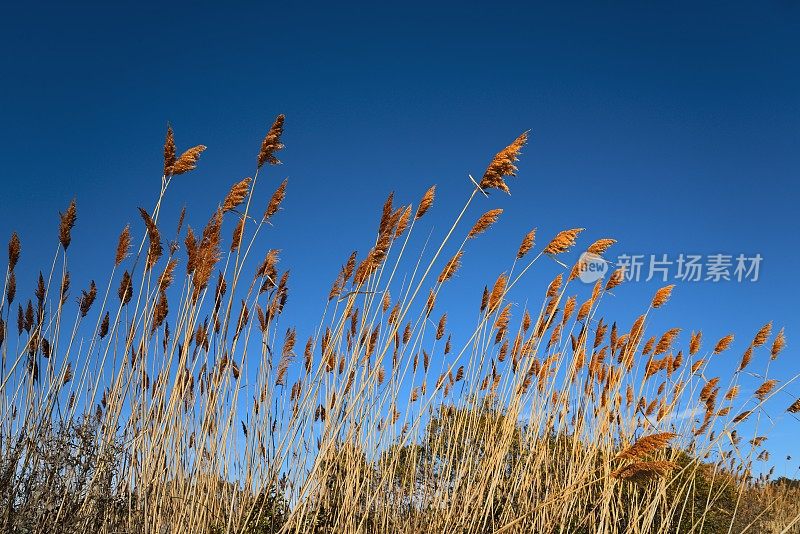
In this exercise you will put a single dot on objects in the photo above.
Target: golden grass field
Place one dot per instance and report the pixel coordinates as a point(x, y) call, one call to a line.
point(168, 396)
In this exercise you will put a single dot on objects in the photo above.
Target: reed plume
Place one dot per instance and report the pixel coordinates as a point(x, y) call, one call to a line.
point(287, 355)
point(450, 268)
point(762, 335)
point(188, 160)
point(502, 165)
point(271, 143)
point(527, 244)
point(169, 152)
point(563, 241)
point(236, 195)
point(600, 246)
point(778, 345)
point(662, 296)
point(765, 389)
point(87, 299)
point(154, 236)
point(642, 472)
point(123, 246)
point(67, 223)
point(14, 248)
point(616, 278)
point(11, 287)
point(484, 222)
point(694, 342)
point(497, 293)
point(723, 344)
point(125, 291)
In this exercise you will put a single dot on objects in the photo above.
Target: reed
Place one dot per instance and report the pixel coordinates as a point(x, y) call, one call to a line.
point(185, 404)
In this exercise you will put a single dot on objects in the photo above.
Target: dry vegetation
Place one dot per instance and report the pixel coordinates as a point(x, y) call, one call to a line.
point(170, 399)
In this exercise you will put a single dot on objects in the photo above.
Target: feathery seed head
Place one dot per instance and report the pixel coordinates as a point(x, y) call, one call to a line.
point(169, 152)
point(563, 241)
point(67, 223)
point(662, 296)
point(188, 160)
point(484, 222)
point(13, 251)
point(271, 143)
point(502, 165)
point(236, 195)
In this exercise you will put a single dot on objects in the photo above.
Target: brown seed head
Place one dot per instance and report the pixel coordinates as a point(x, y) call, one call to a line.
point(13, 251)
point(662, 296)
point(154, 236)
point(778, 345)
point(600, 246)
point(643, 472)
point(104, 326)
point(123, 246)
point(732, 393)
point(191, 250)
point(275, 201)
point(742, 416)
point(236, 239)
point(616, 278)
point(271, 143)
point(236, 195)
point(563, 241)
point(746, 358)
point(402, 222)
point(125, 291)
point(169, 152)
point(67, 223)
point(287, 355)
point(666, 340)
point(694, 342)
point(387, 219)
point(765, 389)
point(723, 344)
point(168, 276)
point(426, 202)
point(11, 287)
point(498, 292)
point(645, 446)
point(503, 165)
point(207, 254)
point(188, 160)
point(762, 335)
point(430, 303)
point(65, 281)
point(555, 286)
point(484, 222)
point(441, 327)
point(87, 298)
point(160, 311)
point(527, 244)
point(450, 268)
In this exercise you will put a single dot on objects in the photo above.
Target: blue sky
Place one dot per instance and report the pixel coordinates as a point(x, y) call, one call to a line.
point(672, 128)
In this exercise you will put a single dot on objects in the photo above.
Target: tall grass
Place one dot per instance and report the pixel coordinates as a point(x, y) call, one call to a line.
point(170, 398)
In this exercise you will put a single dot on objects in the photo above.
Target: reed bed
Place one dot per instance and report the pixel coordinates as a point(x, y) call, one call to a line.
point(171, 398)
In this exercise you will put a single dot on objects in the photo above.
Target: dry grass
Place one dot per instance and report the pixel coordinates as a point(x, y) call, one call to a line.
point(172, 399)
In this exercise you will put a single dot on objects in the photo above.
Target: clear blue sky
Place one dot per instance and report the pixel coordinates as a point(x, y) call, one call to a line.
point(672, 128)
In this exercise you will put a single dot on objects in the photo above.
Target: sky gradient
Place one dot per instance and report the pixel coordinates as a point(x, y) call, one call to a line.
point(671, 128)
